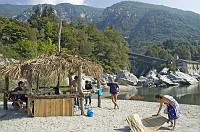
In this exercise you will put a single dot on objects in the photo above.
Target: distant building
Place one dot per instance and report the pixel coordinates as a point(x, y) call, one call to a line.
point(190, 67)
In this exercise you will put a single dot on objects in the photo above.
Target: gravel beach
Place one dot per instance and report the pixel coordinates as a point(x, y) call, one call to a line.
point(105, 119)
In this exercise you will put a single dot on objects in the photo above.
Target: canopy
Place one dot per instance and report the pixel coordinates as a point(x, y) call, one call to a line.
point(51, 66)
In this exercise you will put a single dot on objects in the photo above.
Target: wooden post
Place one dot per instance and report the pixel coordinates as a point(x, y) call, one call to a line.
point(30, 98)
point(29, 78)
point(70, 78)
point(59, 36)
point(58, 82)
point(5, 101)
point(37, 83)
point(80, 88)
point(99, 97)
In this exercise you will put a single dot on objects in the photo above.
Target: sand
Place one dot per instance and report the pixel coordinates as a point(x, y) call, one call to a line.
point(105, 119)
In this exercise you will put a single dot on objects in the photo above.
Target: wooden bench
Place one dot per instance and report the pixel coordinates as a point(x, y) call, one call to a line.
point(16, 103)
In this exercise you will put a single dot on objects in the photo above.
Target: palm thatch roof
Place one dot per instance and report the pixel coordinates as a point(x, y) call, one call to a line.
point(52, 66)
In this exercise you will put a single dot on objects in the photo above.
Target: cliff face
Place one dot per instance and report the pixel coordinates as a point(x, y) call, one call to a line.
point(66, 11)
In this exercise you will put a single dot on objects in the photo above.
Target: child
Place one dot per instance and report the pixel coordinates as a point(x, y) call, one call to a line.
point(88, 86)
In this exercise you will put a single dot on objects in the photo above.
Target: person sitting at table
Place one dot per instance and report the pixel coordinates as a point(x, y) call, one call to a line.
point(21, 97)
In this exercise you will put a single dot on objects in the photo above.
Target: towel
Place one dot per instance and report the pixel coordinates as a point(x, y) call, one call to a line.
point(148, 124)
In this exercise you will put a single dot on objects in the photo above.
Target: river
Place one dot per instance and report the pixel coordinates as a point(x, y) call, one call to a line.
point(183, 94)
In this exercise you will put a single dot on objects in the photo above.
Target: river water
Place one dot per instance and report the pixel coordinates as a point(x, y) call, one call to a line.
point(183, 94)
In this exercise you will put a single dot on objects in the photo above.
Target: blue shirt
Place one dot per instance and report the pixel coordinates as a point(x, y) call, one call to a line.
point(113, 87)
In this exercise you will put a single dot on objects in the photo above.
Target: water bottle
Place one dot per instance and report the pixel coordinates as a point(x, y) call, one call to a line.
point(90, 112)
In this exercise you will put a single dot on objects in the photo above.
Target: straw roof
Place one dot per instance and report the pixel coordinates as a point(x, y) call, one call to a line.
point(52, 66)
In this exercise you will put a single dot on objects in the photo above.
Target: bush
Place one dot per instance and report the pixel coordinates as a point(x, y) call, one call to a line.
point(182, 70)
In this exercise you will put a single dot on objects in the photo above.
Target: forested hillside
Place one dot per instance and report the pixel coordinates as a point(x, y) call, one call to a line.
point(144, 25)
point(105, 36)
point(10, 11)
point(141, 24)
point(39, 35)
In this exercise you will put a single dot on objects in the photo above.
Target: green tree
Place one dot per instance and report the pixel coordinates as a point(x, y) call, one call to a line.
point(13, 33)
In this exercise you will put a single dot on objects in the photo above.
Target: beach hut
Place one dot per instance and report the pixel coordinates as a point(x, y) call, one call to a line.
point(57, 67)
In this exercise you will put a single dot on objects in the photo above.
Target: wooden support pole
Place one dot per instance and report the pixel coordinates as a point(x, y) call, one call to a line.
point(37, 83)
point(30, 98)
point(5, 101)
point(99, 97)
point(70, 79)
point(59, 36)
point(80, 88)
point(29, 78)
point(58, 82)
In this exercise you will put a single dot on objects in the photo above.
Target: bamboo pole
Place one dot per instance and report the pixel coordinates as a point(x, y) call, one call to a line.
point(5, 101)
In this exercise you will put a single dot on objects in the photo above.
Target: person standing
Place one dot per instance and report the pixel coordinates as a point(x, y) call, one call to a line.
point(88, 86)
point(74, 85)
point(74, 90)
point(114, 90)
point(173, 108)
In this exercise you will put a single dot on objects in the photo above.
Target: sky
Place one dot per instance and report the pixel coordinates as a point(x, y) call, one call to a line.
point(187, 5)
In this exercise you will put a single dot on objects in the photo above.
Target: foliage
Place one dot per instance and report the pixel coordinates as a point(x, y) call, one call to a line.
point(27, 49)
point(172, 67)
point(145, 24)
point(159, 51)
point(164, 51)
point(40, 36)
point(184, 50)
point(108, 49)
point(182, 70)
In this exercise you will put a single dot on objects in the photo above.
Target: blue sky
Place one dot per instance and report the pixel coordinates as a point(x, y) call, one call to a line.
point(188, 5)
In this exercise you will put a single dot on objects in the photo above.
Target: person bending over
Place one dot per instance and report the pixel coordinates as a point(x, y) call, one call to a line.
point(173, 108)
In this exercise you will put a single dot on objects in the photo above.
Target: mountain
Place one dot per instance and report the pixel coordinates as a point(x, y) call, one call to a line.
point(11, 11)
point(146, 24)
point(66, 11)
point(141, 24)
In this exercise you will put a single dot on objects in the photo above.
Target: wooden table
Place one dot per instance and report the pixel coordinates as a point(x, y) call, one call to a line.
point(50, 105)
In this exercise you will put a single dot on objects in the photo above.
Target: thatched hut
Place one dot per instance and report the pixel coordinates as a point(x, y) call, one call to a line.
point(52, 66)
point(56, 67)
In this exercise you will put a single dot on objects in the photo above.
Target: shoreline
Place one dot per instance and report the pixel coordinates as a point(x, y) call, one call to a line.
point(105, 118)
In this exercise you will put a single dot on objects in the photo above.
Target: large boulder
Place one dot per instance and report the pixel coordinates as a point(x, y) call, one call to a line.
point(126, 76)
point(184, 78)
